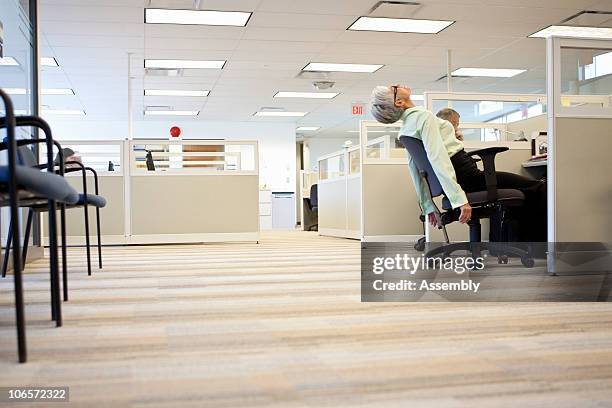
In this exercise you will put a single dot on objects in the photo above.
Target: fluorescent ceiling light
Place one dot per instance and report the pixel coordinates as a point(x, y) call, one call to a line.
point(57, 91)
point(280, 113)
point(169, 92)
point(312, 95)
point(574, 31)
point(487, 72)
point(400, 25)
point(48, 62)
point(44, 91)
point(198, 17)
point(8, 61)
point(375, 131)
point(326, 67)
point(308, 128)
point(186, 64)
point(170, 113)
point(63, 112)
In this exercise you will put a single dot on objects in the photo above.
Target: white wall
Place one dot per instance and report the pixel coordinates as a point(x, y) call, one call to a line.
point(276, 140)
point(320, 146)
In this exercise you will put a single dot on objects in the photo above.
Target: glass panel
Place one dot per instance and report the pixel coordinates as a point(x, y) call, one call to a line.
point(332, 167)
point(381, 142)
point(491, 111)
point(157, 156)
point(354, 162)
point(586, 72)
point(102, 157)
point(16, 68)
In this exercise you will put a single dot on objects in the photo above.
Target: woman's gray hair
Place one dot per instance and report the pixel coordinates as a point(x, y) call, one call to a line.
point(383, 106)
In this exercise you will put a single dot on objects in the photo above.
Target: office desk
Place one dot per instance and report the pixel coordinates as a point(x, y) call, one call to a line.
point(536, 168)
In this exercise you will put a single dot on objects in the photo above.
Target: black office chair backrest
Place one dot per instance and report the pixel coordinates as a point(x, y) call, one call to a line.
point(314, 196)
point(25, 155)
point(419, 155)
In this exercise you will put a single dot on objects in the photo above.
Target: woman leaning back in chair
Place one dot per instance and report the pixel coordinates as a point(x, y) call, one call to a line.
point(456, 171)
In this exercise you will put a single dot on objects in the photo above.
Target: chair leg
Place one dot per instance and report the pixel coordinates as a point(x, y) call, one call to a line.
point(26, 238)
point(87, 243)
point(19, 307)
point(64, 256)
point(53, 255)
point(7, 250)
point(99, 238)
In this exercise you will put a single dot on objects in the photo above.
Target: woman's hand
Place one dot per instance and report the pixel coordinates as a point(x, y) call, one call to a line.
point(433, 220)
point(466, 213)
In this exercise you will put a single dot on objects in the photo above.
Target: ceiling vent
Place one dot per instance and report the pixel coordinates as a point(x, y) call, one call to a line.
point(395, 9)
point(315, 75)
point(271, 109)
point(164, 72)
point(157, 107)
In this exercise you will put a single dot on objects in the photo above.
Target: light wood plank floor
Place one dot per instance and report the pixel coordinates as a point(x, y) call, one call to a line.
point(280, 324)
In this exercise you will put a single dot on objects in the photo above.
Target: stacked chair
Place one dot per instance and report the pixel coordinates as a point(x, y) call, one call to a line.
point(23, 184)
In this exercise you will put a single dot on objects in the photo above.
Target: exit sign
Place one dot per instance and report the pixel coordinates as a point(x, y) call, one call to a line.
point(357, 109)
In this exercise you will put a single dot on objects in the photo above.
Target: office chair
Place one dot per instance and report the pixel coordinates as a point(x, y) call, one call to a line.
point(311, 210)
point(26, 157)
point(485, 204)
point(20, 185)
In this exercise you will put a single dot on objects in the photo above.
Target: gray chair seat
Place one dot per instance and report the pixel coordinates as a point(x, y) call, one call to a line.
point(509, 197)
point(40, 183)
point(92, 199)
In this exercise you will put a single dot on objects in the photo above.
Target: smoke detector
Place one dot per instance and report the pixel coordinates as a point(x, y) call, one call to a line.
point(321, 85)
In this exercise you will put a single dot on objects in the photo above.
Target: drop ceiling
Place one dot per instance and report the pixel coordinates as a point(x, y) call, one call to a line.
point(92, 41)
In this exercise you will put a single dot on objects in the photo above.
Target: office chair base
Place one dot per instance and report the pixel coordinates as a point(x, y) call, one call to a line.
point(500, 249)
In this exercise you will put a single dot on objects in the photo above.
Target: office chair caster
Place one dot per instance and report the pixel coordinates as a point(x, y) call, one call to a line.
point(527, 262)
point(502, 259)
point(420, 244)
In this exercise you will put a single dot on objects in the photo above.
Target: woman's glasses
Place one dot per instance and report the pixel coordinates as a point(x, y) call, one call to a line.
point(394, 87)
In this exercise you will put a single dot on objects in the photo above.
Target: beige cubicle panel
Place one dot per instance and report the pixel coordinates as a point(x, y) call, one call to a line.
point(194, 207)
point(339, 194)
point(583, 180)
point(198, 191)
point(390, 209)
point(112, 215)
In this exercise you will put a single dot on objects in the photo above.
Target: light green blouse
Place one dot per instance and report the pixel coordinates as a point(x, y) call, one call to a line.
point(438, 137)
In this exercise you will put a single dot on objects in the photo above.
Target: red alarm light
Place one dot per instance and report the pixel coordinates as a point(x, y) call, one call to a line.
point(175, 131)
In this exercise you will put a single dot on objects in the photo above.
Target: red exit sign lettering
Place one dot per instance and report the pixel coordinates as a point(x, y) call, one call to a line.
point(357, 109)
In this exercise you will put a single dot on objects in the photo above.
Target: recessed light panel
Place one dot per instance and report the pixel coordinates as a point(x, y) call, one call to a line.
point(8, 61)
point(327, 67)
point(44, 91)
point(574, 31)
point(400, 25)
point(48, 62)
point(311, 95)
point(487, 72)
point(63, 112)
point(170, 92)
point(171, 113)
point(183, 64)
point(308, 128)
point(280, 113)
point(197, 17)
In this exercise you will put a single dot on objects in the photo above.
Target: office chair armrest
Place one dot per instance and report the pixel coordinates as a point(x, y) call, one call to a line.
point(488, 162)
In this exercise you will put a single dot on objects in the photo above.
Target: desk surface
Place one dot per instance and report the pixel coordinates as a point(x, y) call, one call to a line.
point(535, 163)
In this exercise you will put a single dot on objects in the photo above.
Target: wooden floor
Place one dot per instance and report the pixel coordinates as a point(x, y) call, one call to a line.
point(280, 324)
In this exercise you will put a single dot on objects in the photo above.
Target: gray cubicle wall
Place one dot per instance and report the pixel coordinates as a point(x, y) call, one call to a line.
point(183, 208)
point(112, 216)
point(583, 180)
point(332, 206)
point(391, 210)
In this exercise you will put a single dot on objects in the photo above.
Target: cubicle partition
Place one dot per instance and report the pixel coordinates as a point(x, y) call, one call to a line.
point(579, 164)
point(389, 207)
point(339, 194)
point(171, 191)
